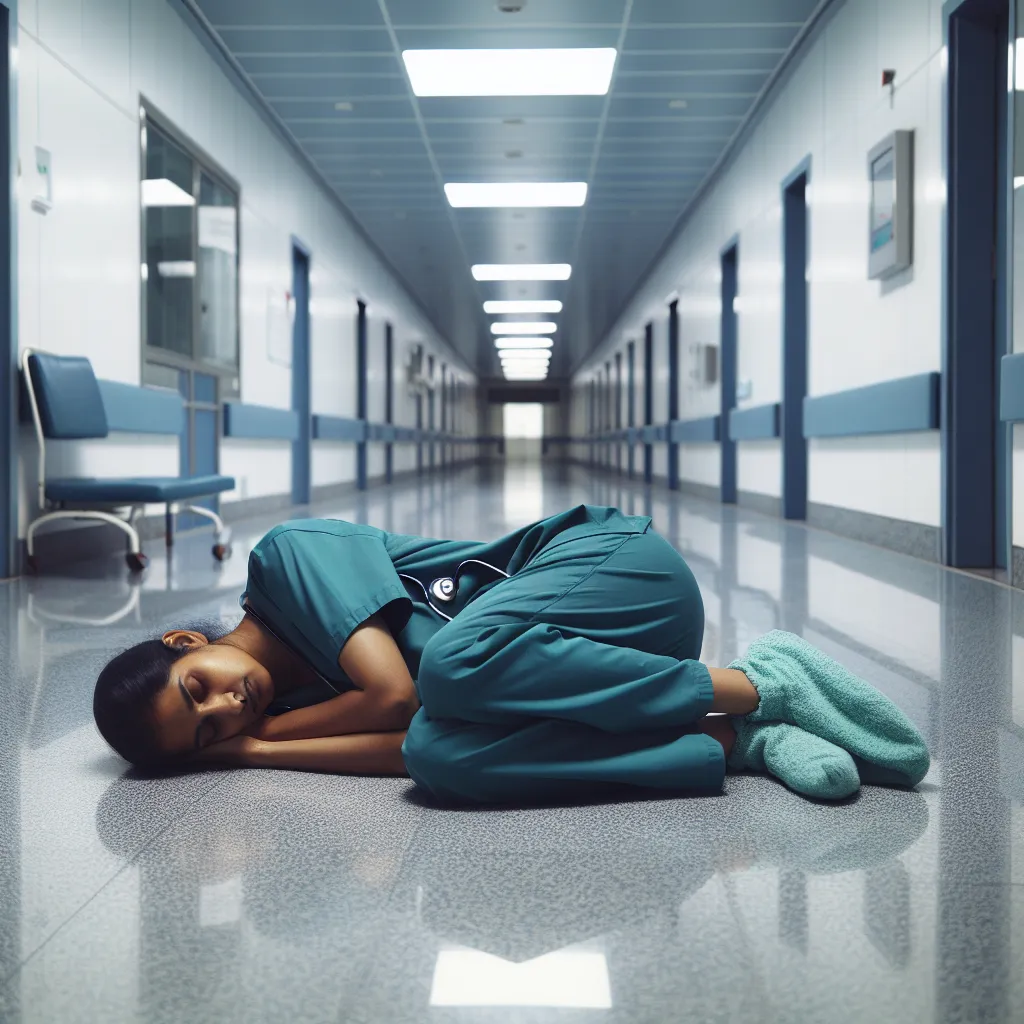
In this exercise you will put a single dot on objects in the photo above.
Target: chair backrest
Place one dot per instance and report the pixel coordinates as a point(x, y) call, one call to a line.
point(69, 399)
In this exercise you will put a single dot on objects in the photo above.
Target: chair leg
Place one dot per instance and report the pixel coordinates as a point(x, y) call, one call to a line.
point(223, 534)
point(169, 524)
point(134, 547)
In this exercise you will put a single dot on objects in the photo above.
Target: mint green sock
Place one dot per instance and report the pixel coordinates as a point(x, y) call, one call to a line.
point(806, 763)
point(801, 685)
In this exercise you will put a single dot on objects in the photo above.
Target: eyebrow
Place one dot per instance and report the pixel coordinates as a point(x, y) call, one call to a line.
point(191, 704)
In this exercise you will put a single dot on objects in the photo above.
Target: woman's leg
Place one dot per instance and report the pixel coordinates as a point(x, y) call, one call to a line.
point(465, 762)
point(548, 759)
point(584, 672)
point(606, 635)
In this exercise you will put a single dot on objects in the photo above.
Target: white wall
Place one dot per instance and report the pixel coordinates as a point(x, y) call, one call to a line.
point(82, 67)
point(832, 109)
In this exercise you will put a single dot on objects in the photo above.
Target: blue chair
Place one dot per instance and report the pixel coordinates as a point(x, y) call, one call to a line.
point(66, 403)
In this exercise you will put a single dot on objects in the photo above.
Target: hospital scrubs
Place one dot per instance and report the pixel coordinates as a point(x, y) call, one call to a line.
point(575, 674)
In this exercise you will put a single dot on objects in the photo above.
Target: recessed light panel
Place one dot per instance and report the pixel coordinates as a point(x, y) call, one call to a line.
point(525, 327)
point(521, 271)
point(524, 355)
point(498, 306)
point(526, 375)
point(516, 193)
point(581, 71)
point(522, 343)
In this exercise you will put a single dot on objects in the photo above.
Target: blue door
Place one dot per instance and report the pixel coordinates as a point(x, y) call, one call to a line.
point(631, 398)
point(389, 398)
point(794, 346)
point(673, 391)
point(648, 399)
point(361, 390)
point(301, 471)
point(976, 449)
point(728, 375)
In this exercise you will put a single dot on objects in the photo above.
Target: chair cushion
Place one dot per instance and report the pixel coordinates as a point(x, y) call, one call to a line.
point(69, 399)
point(83, 490)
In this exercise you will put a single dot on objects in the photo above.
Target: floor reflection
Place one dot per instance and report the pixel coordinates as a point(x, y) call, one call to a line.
point(268, 896)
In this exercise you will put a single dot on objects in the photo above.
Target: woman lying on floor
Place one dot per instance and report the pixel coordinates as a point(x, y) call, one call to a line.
point(547, 665)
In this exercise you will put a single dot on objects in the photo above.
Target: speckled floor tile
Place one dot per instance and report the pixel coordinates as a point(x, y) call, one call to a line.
point(263, 896)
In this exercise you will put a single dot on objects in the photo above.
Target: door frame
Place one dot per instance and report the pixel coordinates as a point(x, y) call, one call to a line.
point(796, 248)
point(631, 402)
point(974, 537)
point(389, 398)
point(302, 377)
point(648, 398)
point(673, 392)
point(10, 562)
point(729, 259)
point(362, 326)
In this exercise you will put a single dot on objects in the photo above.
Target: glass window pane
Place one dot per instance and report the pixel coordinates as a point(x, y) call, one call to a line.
point(169, 269)
point(218, 273)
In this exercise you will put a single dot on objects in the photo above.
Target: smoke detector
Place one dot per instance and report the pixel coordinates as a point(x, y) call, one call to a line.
point(510, 6)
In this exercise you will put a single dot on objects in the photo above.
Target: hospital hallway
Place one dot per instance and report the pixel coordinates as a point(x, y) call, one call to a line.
point(260, 896)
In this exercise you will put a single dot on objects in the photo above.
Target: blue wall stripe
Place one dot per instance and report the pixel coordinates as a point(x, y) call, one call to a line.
point(704, 429)
point(758, 423)
point(338, 428)
point(135, 410)
point(1011, 388)
point(890, 407)
point(260, 422)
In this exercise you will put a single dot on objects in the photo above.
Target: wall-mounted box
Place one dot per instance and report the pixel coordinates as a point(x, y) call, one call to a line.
point(891, 212)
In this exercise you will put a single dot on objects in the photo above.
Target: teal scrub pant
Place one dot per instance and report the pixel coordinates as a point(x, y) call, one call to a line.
point(575, 675)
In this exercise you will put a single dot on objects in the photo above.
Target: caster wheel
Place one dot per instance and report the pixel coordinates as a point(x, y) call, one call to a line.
point(32, 564)
point(136, 562)
point(221, 551)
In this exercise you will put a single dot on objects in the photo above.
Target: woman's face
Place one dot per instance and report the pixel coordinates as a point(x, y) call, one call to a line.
point(213, 692)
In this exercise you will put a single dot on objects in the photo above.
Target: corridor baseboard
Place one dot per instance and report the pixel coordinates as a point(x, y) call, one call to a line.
point(766, 504)
point(917, 539)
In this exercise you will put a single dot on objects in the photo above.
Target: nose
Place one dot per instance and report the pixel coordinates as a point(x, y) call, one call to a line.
point(228, 703)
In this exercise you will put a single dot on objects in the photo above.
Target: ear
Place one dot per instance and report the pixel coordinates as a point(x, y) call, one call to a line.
point(188, 639)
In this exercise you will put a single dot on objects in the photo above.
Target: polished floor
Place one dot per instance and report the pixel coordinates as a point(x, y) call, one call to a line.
point(255, 896)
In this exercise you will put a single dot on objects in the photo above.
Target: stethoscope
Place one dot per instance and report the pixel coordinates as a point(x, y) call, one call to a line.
point(446, 588)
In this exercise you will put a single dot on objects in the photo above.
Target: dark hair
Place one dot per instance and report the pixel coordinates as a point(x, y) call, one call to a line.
point(125, 692)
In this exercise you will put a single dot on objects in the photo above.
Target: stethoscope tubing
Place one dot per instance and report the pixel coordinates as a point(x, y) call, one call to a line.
point(427, 591)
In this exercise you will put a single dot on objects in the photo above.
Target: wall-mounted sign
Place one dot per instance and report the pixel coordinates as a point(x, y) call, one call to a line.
point(891, 216)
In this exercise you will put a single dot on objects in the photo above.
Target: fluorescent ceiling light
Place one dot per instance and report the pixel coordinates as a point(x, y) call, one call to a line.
point(521, 271)
point(176, 268)
point(523, 306)
point(525, 364)
point(163, 192)
point(526, 374)
point(524, 327)
point(529, 353)
point(580, 71)
point(534, 344)
point(516, 193)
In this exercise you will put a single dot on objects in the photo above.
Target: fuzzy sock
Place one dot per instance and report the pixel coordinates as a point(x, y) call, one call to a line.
point(799, 684)
point(804, 762)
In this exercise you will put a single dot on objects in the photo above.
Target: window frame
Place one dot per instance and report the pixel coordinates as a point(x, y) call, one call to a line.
point(228, 376)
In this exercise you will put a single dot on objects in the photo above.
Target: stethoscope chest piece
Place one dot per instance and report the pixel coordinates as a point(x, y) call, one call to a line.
point(443, 589)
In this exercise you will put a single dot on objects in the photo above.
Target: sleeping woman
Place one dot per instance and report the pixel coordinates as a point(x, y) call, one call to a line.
point(554, 664)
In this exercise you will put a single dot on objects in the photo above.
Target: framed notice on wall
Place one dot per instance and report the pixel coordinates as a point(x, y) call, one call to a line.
point(891, 213)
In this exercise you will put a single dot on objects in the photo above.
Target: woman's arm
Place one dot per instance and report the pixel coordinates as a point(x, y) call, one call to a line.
point(366, 754)
point(385, 698)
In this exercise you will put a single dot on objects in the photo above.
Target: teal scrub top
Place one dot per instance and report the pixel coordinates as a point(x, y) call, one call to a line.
point(313, 582)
